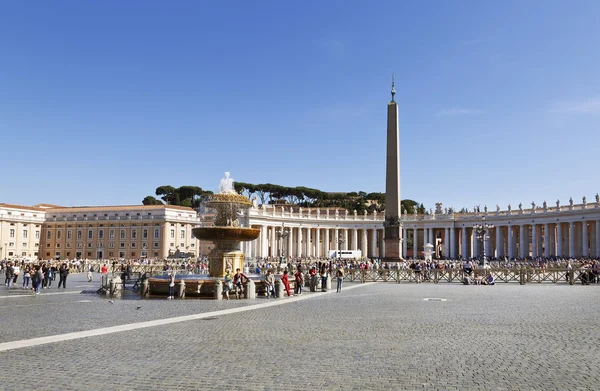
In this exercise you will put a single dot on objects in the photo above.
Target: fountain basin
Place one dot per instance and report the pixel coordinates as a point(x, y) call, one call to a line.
point(237, 234)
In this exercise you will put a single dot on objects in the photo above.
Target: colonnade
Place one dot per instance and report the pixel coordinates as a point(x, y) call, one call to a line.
point(577, 238)
point(315, 241)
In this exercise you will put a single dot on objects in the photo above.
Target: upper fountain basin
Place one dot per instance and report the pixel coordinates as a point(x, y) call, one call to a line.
point(226, 233)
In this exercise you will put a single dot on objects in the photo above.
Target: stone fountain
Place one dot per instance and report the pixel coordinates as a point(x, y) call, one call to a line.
point(230, 228)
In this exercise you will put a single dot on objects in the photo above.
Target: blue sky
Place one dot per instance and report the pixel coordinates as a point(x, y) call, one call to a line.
point(101, 102)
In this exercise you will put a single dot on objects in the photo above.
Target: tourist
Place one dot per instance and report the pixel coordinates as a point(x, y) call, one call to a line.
point(227, 283)
point(340, 277)
point(89, 273)
point(299, 281)
point(63, 273)
point(26, 276)
point(171, 285)
point(490, 280)
point(47, 276)
point(468, 268)
point(270, 284)
point(286, 282)
point(39, 278)
point(16, 272)
point(323, 278)
point(314, 280)
point(239, 279)
point(9, 275)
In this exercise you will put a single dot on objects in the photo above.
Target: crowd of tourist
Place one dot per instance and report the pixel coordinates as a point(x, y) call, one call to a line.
point(37, 275)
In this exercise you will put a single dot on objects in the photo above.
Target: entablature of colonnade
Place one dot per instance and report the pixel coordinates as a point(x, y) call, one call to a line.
point(331, 217)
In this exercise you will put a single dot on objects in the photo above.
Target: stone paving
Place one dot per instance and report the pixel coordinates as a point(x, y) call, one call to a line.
point(376, 337)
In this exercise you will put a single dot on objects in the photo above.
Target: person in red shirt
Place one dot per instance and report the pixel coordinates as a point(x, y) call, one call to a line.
point(239, 279)
point(286, 282)
point(104, 269)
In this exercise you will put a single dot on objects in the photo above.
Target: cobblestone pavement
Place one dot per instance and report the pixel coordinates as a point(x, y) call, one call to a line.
point(375, 337)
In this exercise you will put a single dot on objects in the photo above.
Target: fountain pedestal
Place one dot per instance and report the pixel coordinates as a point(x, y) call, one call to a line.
point(226, 255)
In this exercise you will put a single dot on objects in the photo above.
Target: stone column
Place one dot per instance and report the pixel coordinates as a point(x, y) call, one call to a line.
point(476, 251)
point(546, 241)
point(327, 248)
point(447, 243)
point(290, 244)
point(425, 236)
point(598, 238)
point(354, 239)
point(272, 242)
point(365, 247)
point(584, 234)
point(511, 239)
point(559, 240)
point(404, 243)
point(345, 236)
point(453, 242)
point(498, 241)
point(571, 239)
point(299, 243)
point(336, 237)
point(318, 242)
point(463, 248)
point(382, 244)
point(534, 243)
point(264, 250)
point(374, 243)
point(415, 243)
point(522, 244)
point(308, 243)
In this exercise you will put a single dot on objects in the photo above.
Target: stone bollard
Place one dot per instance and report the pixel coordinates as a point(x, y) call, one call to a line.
point(144, 288)
point(181, 292)
point(571, 274)
point(250, 290)
point(279, 289)
point(328, 285)
point(218, 290)
point(111, 287)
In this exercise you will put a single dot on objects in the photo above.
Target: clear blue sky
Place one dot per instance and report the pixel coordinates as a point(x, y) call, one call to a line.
point(101, 102)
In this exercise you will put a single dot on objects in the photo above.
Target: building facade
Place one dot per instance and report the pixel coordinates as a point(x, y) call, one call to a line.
point(20, 231)
point(564, 231)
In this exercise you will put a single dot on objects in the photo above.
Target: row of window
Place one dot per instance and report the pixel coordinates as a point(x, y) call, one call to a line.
point(11, 233)
point(110, 245)
point(58, 254)
point(12, 244)
point(111, 234)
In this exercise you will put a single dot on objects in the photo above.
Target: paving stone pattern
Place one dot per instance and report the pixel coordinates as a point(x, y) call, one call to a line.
point(377, 337)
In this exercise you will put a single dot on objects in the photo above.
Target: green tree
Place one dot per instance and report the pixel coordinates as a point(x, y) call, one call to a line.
point(149, 200)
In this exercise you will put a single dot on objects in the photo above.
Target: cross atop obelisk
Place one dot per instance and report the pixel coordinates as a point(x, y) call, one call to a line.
point(393, 246)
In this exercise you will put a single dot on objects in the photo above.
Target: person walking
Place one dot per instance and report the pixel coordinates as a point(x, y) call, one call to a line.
point(10, 274)
point(340, 278)
point(39, 278)
point(286, 282)
point(63, 272)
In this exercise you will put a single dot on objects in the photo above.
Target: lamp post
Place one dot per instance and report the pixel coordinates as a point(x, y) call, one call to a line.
point(482, 232)
point(282, 233)
point(340, 241)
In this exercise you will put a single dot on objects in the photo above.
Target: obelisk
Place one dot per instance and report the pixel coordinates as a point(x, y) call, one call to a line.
point(392, 229)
